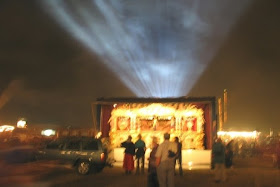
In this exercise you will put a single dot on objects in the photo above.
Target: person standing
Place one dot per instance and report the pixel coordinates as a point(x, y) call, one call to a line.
point(218, 151)
point(140, 154)
point(178, 157)
point(165, 157)
point(278, 154)
point(152, 170)
point(128, 161)
point(229, 155)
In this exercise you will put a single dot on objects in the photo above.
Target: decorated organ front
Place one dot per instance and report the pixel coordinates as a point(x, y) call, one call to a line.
point(152, 120)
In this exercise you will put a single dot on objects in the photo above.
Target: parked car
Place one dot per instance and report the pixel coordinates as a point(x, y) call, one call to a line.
point(84, 154)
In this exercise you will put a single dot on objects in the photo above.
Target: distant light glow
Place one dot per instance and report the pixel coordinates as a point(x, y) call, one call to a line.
point(6, 128)
point(234, 134)
point(48, 132)
point(98, 135)
point(21, 124)
point(156, 48)
point(189, 151)
point(190, 165)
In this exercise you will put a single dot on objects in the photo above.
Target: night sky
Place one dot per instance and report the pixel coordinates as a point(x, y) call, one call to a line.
point(49, 77)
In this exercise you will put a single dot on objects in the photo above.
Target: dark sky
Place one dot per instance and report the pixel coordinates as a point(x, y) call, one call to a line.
point(48, 77)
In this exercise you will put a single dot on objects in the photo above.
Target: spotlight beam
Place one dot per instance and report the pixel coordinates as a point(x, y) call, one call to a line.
point(156, 48)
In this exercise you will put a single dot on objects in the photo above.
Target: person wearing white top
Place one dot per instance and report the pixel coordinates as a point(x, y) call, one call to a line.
point(165, 157)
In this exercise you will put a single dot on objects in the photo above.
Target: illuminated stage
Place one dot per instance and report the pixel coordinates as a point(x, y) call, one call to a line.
point(191, 159)
point(193, 120)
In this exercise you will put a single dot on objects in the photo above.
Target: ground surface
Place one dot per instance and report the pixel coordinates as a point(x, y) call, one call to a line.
point(249, 172)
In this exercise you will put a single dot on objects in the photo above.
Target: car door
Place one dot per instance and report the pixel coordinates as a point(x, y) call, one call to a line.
point(93, 149)
point(72, 148)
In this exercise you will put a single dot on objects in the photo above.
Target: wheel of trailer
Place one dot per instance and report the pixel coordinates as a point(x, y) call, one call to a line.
point(83, 167)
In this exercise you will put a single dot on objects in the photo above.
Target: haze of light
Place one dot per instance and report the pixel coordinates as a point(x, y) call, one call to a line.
point(157, 48)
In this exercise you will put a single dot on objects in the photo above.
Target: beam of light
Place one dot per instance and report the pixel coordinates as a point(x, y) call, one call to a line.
point(157, 48)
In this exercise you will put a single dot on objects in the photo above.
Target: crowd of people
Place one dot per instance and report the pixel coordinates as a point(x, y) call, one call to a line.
point(222, 154)
point(162, 160)
point(164, 157)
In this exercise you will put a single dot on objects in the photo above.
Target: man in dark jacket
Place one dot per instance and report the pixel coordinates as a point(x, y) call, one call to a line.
point(218, 151)
point(152, 169)
point(178, 157)
point(229, 154)
point(140, 154)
